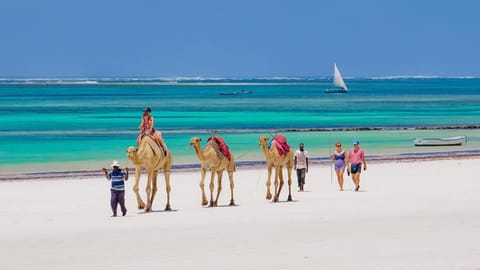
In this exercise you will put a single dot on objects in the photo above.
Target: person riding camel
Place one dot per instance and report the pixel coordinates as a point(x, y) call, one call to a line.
point(147, 128)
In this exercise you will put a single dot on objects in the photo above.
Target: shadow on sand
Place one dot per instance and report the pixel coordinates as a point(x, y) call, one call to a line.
point(157, 211)
point(222, 206)
point(292, 201)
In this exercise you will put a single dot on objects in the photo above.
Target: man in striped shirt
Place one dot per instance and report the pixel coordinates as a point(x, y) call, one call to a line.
point(117, 177)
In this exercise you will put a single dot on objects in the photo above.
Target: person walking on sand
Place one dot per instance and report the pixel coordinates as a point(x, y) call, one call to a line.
point(338, 158)
point(301, 165)
point(355, 158)
point(118, 178)
point(147, 128)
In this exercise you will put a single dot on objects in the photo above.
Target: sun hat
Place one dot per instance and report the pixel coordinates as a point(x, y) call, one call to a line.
point(338, 144)
point(356, 142)
point(115, 164)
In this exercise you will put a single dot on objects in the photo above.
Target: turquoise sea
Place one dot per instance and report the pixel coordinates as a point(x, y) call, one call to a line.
point(79, 126)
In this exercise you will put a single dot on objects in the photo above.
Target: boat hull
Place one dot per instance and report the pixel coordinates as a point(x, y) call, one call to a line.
point(235, 93)
point(450, 141)
point(331, 91)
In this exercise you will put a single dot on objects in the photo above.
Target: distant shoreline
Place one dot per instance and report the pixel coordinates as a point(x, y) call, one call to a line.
point(254, 164)
point(162, 83)
point(250, 130)
point(320, 80)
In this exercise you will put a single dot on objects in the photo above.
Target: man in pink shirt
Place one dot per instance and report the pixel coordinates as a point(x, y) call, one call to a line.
point(355, 158)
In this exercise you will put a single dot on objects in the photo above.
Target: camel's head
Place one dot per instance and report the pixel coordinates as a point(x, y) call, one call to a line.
point(263, 141)
point(131, 151)
point(195, 141)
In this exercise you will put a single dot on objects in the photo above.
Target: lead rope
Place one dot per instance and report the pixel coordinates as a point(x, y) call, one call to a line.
point(330, 156)
point(126, 166)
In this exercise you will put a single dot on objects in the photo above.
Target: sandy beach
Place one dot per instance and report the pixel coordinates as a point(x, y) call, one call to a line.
point(407, 215)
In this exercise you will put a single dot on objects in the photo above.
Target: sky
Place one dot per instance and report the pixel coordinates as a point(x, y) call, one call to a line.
point(222, 38)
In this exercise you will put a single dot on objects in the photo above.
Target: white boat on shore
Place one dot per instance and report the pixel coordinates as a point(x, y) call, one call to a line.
point(448, 141)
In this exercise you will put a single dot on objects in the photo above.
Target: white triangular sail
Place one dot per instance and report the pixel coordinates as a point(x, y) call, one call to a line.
point(337, 78)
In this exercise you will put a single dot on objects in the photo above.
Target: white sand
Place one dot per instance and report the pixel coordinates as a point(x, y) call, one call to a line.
point(422, 215)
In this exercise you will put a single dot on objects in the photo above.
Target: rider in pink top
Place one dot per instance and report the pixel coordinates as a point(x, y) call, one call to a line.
point(356, 157)
point(147, 128)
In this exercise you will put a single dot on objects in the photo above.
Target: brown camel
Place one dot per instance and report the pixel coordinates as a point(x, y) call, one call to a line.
point(274, 159)
point(148, 155)
point(213, 159)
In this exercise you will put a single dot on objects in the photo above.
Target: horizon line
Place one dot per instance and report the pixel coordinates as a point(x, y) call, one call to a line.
point(96, 79)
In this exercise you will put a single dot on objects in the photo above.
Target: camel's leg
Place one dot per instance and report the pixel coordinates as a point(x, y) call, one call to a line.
point(154, 188)
point(203, 172)
point(289, 171)
point(269, 182)
point(281, 182)
point(212, 186)
point(148, 190)
point(276, 183)
point(219, 188)
point(232, 185)
point(166, 172)
point(140, 203)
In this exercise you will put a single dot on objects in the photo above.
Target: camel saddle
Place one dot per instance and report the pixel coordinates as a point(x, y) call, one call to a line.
point(153, 139)
point(222, 146)
point(280, 143)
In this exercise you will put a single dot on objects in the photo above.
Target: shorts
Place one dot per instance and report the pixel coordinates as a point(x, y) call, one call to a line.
point(356, 167)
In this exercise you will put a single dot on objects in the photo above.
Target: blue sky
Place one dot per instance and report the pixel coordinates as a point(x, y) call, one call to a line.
point(64, 38)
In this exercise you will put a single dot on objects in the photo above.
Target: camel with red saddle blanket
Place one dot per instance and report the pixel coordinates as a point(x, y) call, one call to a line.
point(277, 154)
point(216, 157)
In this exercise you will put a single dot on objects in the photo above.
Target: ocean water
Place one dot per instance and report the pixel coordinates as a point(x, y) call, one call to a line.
point(72, 126)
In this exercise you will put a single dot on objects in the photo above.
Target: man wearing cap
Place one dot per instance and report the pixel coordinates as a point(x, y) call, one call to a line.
point(117, 177)
point(301, 165)
point(355, 158)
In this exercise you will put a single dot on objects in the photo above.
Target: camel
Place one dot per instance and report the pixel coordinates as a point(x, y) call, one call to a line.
point(213, 159)
point(274, 159)
point(148, 155)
